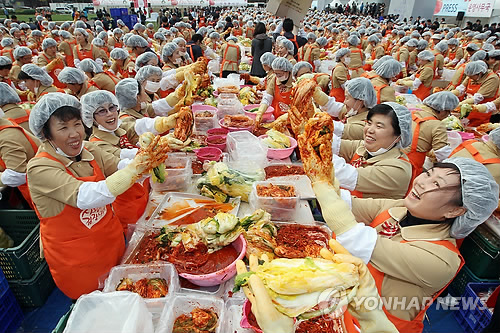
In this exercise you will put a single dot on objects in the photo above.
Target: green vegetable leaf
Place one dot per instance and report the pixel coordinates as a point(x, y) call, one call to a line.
point(241, 280)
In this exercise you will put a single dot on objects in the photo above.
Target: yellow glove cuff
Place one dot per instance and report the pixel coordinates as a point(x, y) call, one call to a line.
point(320, 97)
point(122, 180)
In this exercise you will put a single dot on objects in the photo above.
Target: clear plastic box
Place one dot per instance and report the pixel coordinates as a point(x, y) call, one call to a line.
point(202, 123)
point(246, 152)
point(234, 314)
point(184, 304)
point(227, 291)
point(177, 179)
point(282, 208)
point(228, 104)
point(151, 270)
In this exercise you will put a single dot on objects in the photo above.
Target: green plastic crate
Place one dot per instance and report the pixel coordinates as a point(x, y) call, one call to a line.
point(481, 251)
point(22, 260)
point(465, 276)
point(61, 324)
point(35, 291)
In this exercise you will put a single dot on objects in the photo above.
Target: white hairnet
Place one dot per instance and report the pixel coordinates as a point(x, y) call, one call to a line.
point(288, 45)
point(472, 46)
point(374, 39)
point(179, 40)
point(160, 36)
point(37, 73)
point(233, 38)
point(267, 58)
point(388, 68)
point(150, 26)
point(120, 22)
point(479, 195)
point(412, 42)
point(494, 53)
point(65, 25)
point(422, 45)
point(311, 35)
point(98, 42)
point(168, 50)
point(144, 59)
point(361, 88)
point(8, 95)
point(475, 67)
point(80, 24)
point(453, 41)
point(442, 101)
point(89, 66)
point(340, 53)
point(488, 47)
point(4, 61)
point(126, 92)
point(214, 35)
point(138, 26)
point(71, 75)
point(92, 101)
point(119, 54)
point(136, 41)
point(405, 122)
point(495, 137)
point(102, 35)
point(117, 31)
point(442, 46)
point(65, 34)
point(282, 64)
point(426, 55)
point(298, 66)
point(147, 71)
point(21, 51)
point(82, 31)
point(36, 33)
point(7, 42)
point(353, 40)
point(322, 41)
point(479, 55)
point(46, 106)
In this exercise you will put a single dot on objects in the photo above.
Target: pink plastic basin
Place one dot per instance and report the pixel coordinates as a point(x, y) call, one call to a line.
point(267, 116)
point(217, 131)
point(485, 138)
point(279, 154)
point(211, 141)
point(208, 154)
point(466, 135)
point(216, 278)
point(247, 308)
point(234, 129)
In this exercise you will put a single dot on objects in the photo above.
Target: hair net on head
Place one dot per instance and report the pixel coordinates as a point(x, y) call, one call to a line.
point(282, 64)
point(89, 66)
point(5, 61)
point(126, 92)
point(288, 45)
point(300, 65)
point(144, 59)
point(168, 50)
point(404, 121)
point(36, 33)
point(412, 42)
point(373, 39)
point(389, 68)
point(426, 55)
point(13, 30)
point(442, 101)
point(479, 55)
point(340, 53)
point(488, 47)
point(179, 40)
point(98, 42)
point(147, 71)
point(361, 88)
point(37, 73)
point(82, 31)
point(353, 40)
point(136, 41)
point(475, 67)
point(404, 40)
point(7, 42)
point(267, 58)
point(46, 106)
point(422, 44)
point(214, 35)
point(138, 26)
point(65, 25)
point(381, 61)
point(479, 195)
point(65, 34)
point(322, 41)
point(159, 35)
point(117, 31)
point(21, 51)
point(311, 35)
point(472, 46)
point(120, 22)
point(442, 46)
point(415, 34)
point(92, 101)
point(99, 29)
point(102, 35)
point(8, 95)
point(494, 53)
point(280, 38)
point(71, 75)
point(495, 137)
point(119, 54)
point(453, 41)
point(233, 38)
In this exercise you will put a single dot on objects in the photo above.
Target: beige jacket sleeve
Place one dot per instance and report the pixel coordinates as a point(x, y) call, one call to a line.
point(15, 150)
point(489, 87)
point(387, 94)
point(390, 176)
point(367, 209)
point(426, 76)
point(339, 75)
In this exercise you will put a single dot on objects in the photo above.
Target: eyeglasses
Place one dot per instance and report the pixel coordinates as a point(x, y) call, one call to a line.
point(102, 112)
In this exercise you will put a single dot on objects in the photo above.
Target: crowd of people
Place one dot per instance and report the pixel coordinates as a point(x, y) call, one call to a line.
point(75, 98)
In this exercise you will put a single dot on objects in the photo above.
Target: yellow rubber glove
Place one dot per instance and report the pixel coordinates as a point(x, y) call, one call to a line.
point(468, 101)
point(269, 319)
point(320, 97)
point(372, 320)
point(174, 143)
point(174, 98)
point(164, 124)
point(456, 92)
point(480, 108)
point(260, 113)
point(51, 65)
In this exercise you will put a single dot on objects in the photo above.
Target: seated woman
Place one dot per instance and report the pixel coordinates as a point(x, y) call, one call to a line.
point(84, 49)
point(22, 55)
point(147, 58)
point(149, 77)
point(17, 146)
point(104, 80)
point(409, 244)
point(421, 81)
point(340, 74)
point(37, 81)
point(122, 67)
point(377, 167)
point(171, 56)
point(9, 100)
point(51, 61)
point(82, 238)
point(76, 81)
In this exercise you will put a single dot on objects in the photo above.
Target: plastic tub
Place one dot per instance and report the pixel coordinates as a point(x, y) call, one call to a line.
point(209, 154)
point(454, 139)
point(246, 152)
point(184, 304)
point(267, 116)
point(217, 131)
point(234, 129)
point(485, 138)
point(151, 270)
point(234, 315)
point(247, 308)
point(179, 174)
point(202, 123)
point(280, 208)
point(466, 136)
point(216, 278)
point(279, 154)
point(211, 141)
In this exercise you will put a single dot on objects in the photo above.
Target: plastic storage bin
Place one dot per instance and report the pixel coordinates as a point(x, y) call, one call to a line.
point(11, 315)
point(22, 260)
point(465, 276)
point(203, 123)
point(481, 251)
point(184, 304)
point(179, 174)
point(280, 208)
point(35, 291)
point(246, 152)
point(473, 314)
point(228, 104)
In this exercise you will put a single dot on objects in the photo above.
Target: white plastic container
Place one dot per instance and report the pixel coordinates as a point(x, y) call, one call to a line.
point(177, 179)
point(280, 208)
point(184, 304)
point(203, 123)
point(234, 314)
point(228, 104)
point(246, 152)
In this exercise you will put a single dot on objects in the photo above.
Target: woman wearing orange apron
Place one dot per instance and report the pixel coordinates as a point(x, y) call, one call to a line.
point(386, 70)
point(421, 82)
point(231, 57)
point(420, 231)
point(66, 47)
point(37, 82)
point(279, 90)
point(83, 49)
point(374, 51)
point(76, 82)
point(81, 236)
point(340, 74)
point(122, 66)
point(51, 61)
point(171, 56)
point(357, 57)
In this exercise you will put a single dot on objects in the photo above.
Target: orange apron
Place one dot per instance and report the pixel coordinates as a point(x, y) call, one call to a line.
point(55, 71)
point(478, 118)
point(84, 54)
point(112, 76)
point(422, 92)
point(70, 59)
point(23, 119)
point(361, 55)
point(237, 32)
point(224, 60)
point(78, 256)
point(309, 59)
point(378, 90)
point(9, 52)
point(474, 152)
point(281, 101)
point(22, 188)
point(417, 158)
point(369, 76)
point(368, 67)
point(118, 44)
point(416, 325)
point(339, 93)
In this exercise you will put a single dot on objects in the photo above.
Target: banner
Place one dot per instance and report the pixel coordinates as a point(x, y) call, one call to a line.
point(480, 8)
point(450, 7)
